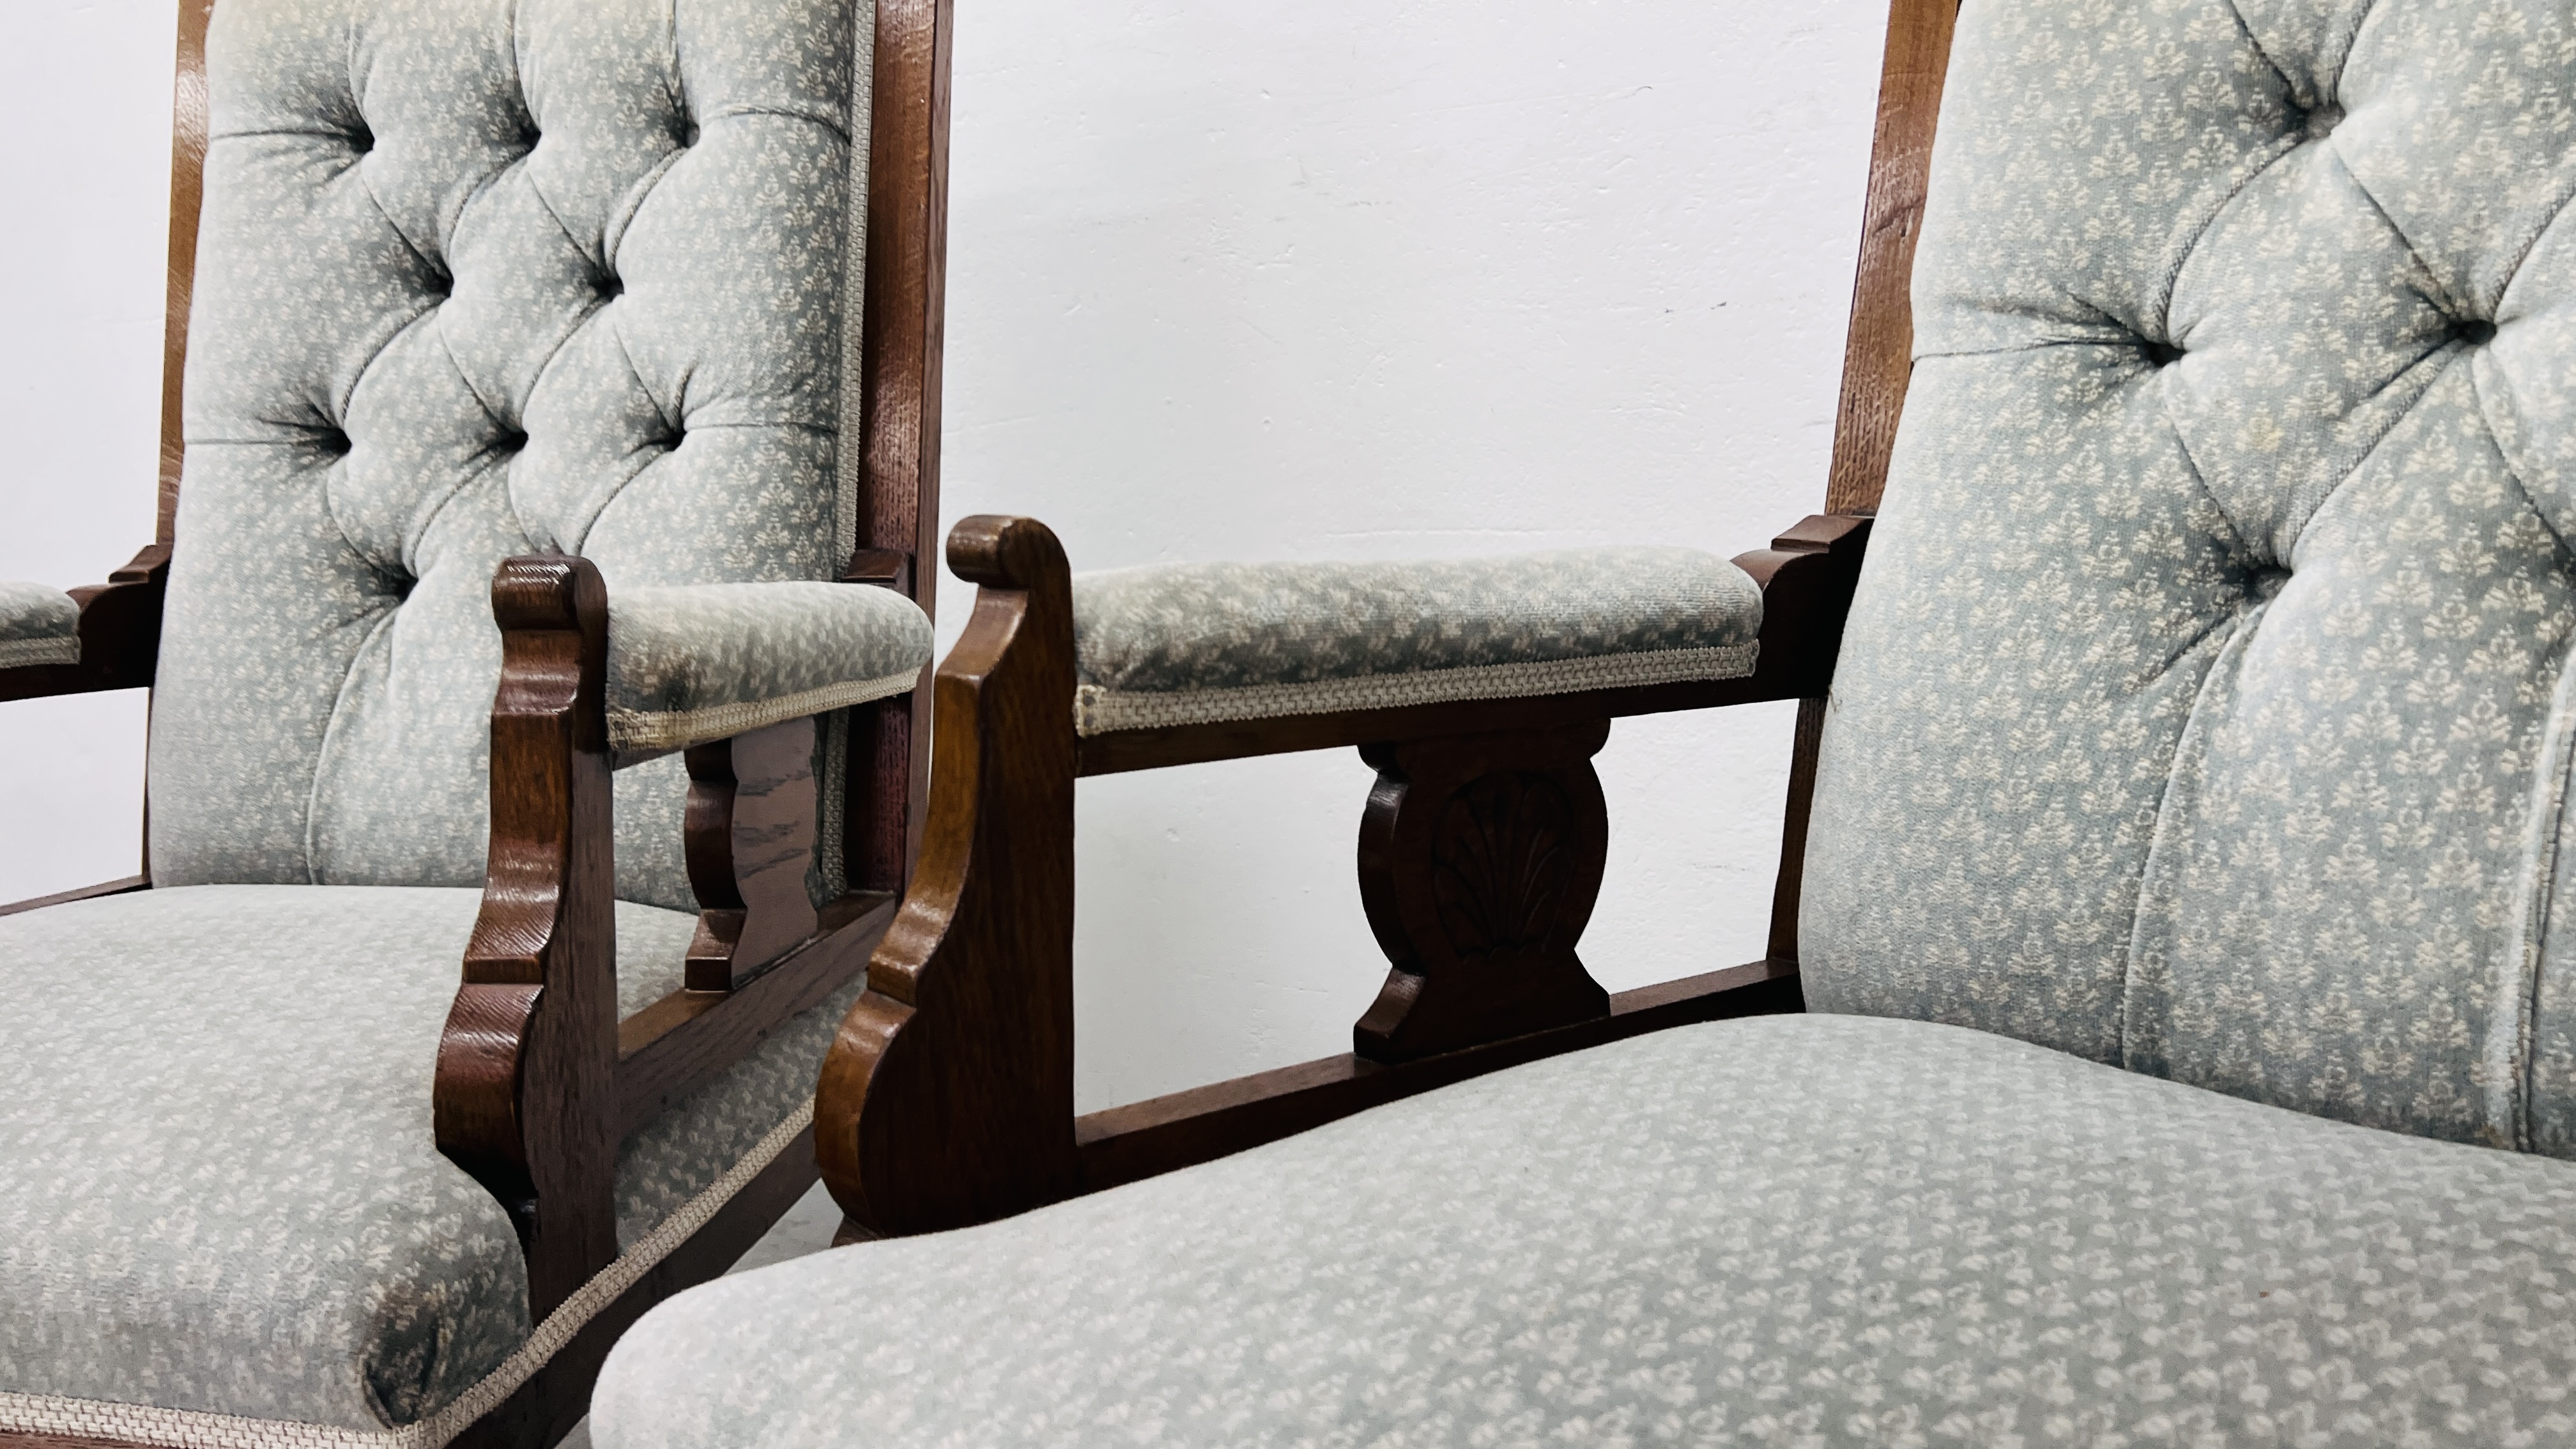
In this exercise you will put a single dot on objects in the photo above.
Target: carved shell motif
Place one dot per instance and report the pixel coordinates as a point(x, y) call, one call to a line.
point(1500, 861)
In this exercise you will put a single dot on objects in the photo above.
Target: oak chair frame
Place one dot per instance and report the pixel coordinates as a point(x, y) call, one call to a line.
point(537, 1080)
point(947, 1098)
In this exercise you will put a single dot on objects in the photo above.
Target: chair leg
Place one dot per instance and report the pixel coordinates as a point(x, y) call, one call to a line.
point(947, 1098)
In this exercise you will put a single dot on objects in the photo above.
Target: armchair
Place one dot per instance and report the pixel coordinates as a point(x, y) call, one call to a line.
point(2170, 884)
point(537, 744)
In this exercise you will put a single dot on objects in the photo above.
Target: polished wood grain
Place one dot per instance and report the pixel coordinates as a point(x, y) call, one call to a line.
point(1878, 351)
point(689, 1038)
point(1806, 576)
point(1125, 1144)
point(1480, 857)
point(187, 187)
point(1791, 880)
point(947, 1097)
point(125, 886)
point(524, 1096)
point(751, 819)
point(905, 327)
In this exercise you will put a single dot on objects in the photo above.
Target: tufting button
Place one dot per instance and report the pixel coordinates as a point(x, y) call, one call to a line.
point(611, 287)
point(509, 440)
point(2160, 354)
point(332, 441)
point(2475, 331)
point(362, 140)
point(688, 131)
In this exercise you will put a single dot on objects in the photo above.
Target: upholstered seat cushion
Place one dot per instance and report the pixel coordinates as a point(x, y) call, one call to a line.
point(1195, 643)
point(1791, 1230)
point(38, 625)
point(219, 1190)
point(692, 663)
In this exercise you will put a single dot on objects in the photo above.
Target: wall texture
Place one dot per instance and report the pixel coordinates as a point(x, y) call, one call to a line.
point(1238, 281)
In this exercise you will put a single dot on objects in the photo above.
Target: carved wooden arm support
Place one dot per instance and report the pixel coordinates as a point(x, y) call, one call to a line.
point(947, 1097)
point(537, 1079)
point(525, 1094)
point(120, 634)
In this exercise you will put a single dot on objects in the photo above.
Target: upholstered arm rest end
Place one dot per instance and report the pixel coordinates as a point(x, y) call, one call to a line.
point(696, 663)
point(101, 636)
point(38, 625)
point(1193, 644)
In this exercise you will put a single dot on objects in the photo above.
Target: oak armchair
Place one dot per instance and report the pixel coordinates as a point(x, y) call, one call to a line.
point(2171, 887)
point(537, 742)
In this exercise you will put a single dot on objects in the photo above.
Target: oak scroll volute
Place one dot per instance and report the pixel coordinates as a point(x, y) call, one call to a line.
point(525, 1093)
point(947, 1097)
point(750, 825)
point(1480, 857)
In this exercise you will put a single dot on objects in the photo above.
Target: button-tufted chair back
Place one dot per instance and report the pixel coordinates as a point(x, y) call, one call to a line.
point(2207, 705)
point(479, 278)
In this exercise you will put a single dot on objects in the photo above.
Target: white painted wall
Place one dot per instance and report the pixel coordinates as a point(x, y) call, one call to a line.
point(1351, 278)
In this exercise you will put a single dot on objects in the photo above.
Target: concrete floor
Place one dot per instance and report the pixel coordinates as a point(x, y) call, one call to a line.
point(807, 1228)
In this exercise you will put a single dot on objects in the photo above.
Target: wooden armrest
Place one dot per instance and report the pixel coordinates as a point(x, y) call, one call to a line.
point(537, 1080)
point(1807, 576)
point(524, 1095)
point(120, 634)
point(947, 1098)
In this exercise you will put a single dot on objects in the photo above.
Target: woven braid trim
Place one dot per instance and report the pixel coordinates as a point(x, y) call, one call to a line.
point(28, 653)
point(1098, 711)
point(638, 734)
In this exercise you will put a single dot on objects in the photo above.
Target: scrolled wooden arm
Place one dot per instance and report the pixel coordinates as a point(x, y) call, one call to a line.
point(525, 1091)
point(537, 1080)
point(947, 1097)
point(120, 634)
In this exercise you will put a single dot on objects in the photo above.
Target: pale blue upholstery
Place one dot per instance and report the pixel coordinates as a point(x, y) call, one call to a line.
point(2207, 707)
point(704, 662)
point(1783, 1231)
point(1175, 644)
point(222, 1193)
point(2207, 710)
point(476, 278)
point(479, 278)
point(38, 625)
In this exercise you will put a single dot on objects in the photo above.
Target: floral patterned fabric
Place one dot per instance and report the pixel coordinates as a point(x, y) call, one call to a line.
point(2207, 704)
point(38, 625)
point(479, 278)
point(219, 1187)
point(1780, 1231)
point(706, 662)
point(1196, 643)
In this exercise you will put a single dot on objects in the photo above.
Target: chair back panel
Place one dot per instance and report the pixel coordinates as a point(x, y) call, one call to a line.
point(2206, 707)
point(478, 278)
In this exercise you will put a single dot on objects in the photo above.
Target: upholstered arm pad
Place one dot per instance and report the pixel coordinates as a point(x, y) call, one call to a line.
point(38, 625)
point(704, 662)
point(1200, 643)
